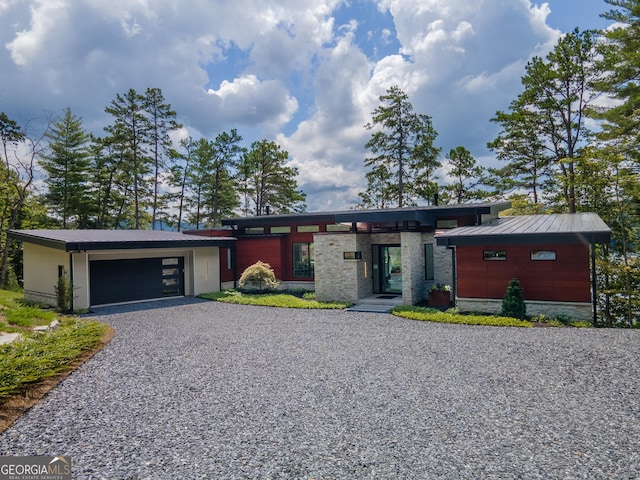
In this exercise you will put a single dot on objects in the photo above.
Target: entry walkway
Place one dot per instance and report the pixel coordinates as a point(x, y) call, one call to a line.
point(379, 303)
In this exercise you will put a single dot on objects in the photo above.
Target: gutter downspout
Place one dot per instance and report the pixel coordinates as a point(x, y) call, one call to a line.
point(594, 286)
point(71, 271)
point(454, 279)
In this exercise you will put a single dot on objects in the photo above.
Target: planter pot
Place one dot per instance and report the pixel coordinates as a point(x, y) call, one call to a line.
point(439, 299)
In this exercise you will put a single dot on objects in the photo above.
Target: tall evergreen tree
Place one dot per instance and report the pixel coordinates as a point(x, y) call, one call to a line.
point(130, 137)
point(467, 175)
point(270, 180)
point(221, 194)
point(403, 142)
point(66, 163)
point(162, 121)
point(552, 110)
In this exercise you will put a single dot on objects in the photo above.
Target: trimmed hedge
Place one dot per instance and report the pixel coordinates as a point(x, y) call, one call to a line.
point(431, 315)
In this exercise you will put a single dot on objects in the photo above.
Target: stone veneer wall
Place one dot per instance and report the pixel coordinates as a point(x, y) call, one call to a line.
point(576, 311)
point(413, 282)
point(336, 279)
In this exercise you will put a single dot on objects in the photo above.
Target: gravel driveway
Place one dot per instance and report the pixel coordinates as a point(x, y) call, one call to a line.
point(206, 390)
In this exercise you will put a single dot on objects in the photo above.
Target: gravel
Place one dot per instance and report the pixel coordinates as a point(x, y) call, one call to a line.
point(207, 390)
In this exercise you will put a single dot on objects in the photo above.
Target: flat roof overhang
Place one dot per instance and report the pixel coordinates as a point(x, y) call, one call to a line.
point(91, 240)
point(425, 215)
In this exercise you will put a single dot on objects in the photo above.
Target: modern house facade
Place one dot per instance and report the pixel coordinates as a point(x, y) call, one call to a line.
point(344, 256)
point(355, 254)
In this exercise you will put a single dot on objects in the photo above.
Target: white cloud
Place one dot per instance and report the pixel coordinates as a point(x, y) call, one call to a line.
point(284, 69)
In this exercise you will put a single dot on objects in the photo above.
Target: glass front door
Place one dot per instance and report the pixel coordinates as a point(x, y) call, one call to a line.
point(387, 266)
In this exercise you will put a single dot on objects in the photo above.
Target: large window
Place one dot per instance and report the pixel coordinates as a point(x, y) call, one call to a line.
point(303, 260)
point(428, 262)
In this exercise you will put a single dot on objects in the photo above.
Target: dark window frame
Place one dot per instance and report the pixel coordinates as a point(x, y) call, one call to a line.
point(306, 271)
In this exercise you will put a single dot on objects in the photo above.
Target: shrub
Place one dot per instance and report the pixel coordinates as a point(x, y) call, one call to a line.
point(64, 293)
point(259, 276)
point(513, 303)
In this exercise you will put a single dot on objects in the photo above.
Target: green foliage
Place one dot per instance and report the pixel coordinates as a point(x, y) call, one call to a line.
point(64, 293)
point(259, 276)
point(67, 164)
point(27, 316)
point(467, 175)
point(266, 180)
point(434, 315)
point(40, 356)
point(272, 300)
point(513, 302)
point(404, 158)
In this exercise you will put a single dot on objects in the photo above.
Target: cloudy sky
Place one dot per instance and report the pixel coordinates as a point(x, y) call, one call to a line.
point(305, 73)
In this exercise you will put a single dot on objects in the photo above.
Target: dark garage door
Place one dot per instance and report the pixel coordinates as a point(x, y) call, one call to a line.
point(116, 281)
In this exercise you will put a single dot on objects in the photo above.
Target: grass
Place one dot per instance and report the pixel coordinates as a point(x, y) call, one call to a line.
point(39, 356)
point(432, 315)
point(282, 300)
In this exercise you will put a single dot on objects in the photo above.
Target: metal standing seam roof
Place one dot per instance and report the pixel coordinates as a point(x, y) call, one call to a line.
point(586, 228)
point(82, 240)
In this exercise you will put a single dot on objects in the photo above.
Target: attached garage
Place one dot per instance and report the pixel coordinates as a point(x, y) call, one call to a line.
point(119, 266)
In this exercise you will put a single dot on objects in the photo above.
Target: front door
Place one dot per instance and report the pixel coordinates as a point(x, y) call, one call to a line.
point(387, 267)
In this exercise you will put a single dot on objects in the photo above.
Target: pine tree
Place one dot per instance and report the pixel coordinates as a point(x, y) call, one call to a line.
point(67, 163)
point(129, 136)
point(270, 181)
point(466, 174)
point(403, 143)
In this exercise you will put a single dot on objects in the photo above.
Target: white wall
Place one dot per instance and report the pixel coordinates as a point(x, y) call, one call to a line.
point(41, 272)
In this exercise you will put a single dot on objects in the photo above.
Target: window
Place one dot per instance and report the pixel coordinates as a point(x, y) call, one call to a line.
point(352, 255)
point(281, 229)
point(303, 260)
point(428, 262)
point(444, 224)
point(495, 255)
point(308, 228)
point(338, 227)
point(543, 255)
point(253, 230)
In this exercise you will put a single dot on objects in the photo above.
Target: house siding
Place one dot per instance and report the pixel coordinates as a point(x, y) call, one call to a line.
point(566, 279)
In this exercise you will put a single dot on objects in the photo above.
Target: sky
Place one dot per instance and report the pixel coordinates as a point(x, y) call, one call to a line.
point(304, 73)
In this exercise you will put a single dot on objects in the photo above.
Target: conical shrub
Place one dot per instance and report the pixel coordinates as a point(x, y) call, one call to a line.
point(513, 302)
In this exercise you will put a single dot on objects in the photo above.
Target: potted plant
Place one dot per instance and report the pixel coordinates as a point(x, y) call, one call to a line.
point(440, 296)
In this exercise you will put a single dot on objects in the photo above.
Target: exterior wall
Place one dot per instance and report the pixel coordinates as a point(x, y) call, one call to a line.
point(206, 272)
point(81, 299)
point(577, 311)
point(265, 249)
point(413, 281)
point(336, 278)
point(565, 279)
point(41, 272)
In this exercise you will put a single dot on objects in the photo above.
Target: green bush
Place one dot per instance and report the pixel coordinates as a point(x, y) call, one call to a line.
point(259, 276)
point(433, 315)
point(513, 303)
point(64, 293)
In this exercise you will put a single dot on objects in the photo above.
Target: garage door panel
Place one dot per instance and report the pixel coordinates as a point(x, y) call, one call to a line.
point(129, 280)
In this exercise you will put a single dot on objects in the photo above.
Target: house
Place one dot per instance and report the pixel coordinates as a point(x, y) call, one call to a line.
point(344, 256)
point(351, 255)
point(117, 266)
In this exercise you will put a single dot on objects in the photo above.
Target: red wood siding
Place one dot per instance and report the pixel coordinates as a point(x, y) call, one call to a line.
point(565, 279)
point(265, 249)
